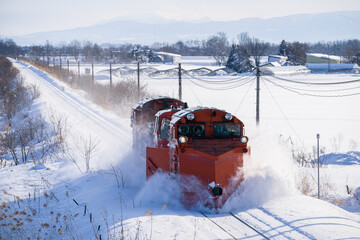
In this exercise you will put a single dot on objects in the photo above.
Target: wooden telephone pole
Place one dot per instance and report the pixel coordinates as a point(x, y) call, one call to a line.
point(180, 87)
point(257, 94)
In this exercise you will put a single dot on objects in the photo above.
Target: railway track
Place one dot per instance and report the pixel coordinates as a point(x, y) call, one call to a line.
point(250, 229)
point(248, 225)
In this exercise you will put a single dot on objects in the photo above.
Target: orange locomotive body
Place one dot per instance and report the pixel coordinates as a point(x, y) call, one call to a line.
point(202, 147)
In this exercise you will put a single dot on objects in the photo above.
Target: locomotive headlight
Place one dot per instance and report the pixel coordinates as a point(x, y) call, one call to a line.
point(228, 116)
point(244, 139)
point(190, 116)
point(183, 139)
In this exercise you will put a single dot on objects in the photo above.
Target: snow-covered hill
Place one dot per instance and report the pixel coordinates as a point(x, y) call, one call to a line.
point(115, 201)
point(301, 27)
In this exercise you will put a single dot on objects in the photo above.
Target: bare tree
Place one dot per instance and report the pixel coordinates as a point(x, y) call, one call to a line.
point(48, 50)
point(218, 47)
point(9, 48)
point(352, 48)
point(253, 47)
point(86, 147)
point(297, 53)
point(36, 51)
point(62, 49)
point(75, 46)
point(97, 52)
point(88, 51)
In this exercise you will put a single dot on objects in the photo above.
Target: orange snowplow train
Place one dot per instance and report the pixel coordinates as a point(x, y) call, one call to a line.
point(203, 148)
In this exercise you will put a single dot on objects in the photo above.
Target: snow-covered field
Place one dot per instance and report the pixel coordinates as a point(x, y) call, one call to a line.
point(114, 200)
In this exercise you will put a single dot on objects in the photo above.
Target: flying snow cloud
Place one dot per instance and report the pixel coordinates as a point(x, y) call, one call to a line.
point(268, 174)
point(160, 189)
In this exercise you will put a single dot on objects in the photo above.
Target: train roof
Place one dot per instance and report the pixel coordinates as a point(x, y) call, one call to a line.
point(147, 100)
point(166, 110)
point(177, 116)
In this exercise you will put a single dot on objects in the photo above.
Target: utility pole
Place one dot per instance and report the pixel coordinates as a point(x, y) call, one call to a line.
point(138, 80)
point(110, 77)
point(328, 52)
point(79, 71)
point(180, 87)
point(92, 73)
point(60, 63)
point(318, 156)
point(68, 64)
point(257, 94)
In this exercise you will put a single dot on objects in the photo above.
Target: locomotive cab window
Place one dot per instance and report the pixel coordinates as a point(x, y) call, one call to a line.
point(156, 128)
point(227, 130)
point(165, 129)
point(196, 130)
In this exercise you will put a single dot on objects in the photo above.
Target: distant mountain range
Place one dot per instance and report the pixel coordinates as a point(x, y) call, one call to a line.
point(300, 27)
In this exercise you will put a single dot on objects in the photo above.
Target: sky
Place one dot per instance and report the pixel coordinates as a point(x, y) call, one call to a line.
point(19, 17)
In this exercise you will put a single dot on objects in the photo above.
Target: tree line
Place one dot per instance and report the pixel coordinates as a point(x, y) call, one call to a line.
point(217, 46)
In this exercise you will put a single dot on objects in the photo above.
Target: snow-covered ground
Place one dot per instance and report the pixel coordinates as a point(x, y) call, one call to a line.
point(114, 200)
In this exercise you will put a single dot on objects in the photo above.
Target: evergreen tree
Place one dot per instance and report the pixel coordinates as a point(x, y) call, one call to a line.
point(238, 59)
point(151, 56)
point(356, 59)
point(283, 48)
point(232, 57)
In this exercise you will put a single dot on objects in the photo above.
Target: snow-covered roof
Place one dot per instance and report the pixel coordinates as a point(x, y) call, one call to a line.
point(325, 56)
point(271, 64)
point(164, 111)
point(284, 70)
point(177, 116)
point(222, 71)
point(168, 54)
point(278, 56)
point(146, 100)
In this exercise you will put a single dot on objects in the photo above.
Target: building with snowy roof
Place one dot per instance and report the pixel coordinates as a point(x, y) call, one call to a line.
point(333, 67)
point(270, 64)
point(322, 58)
point(165, 57)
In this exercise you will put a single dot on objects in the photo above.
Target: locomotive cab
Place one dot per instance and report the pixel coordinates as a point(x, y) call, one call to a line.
point(162, 127)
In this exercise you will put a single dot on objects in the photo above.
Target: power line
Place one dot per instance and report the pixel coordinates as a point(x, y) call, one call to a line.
point(308, 94)
point(195, 95)
point(315, 83)
point(227, 81)
point(320, 90)
point(172, 82)
point(288, 122)
point(237, 109)
point(221, 88)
